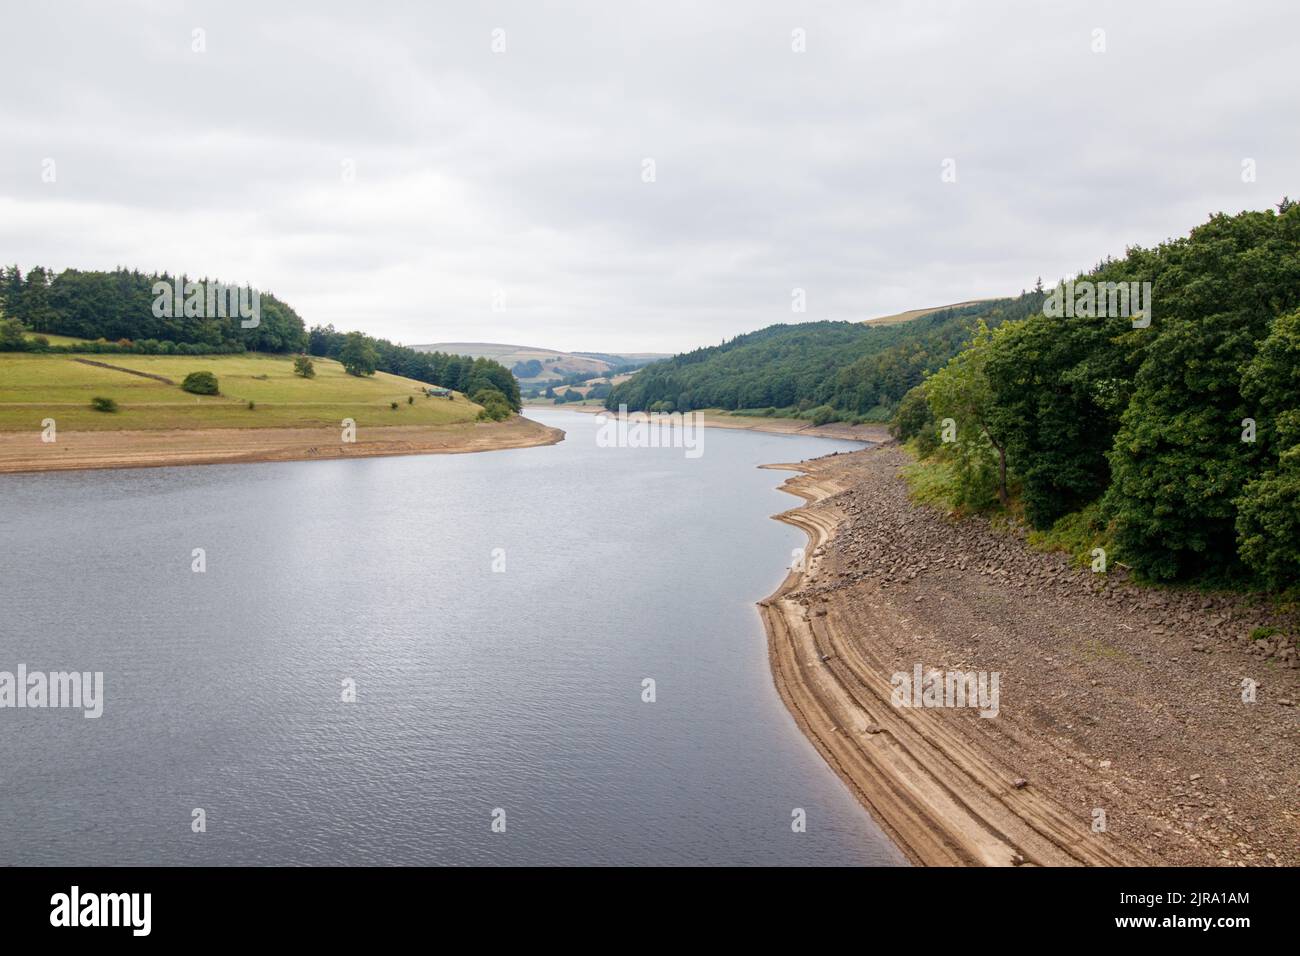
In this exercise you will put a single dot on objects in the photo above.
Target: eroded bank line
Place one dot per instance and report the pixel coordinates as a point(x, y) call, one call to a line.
point(941, 799)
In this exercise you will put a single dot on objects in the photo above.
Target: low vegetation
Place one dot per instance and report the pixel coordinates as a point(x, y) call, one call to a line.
point(201, 383)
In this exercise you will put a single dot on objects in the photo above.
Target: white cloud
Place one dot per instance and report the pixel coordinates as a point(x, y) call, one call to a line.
point(521, 171)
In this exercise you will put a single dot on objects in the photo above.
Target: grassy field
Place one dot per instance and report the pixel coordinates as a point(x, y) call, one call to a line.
point(911, 314)
point(34, 387)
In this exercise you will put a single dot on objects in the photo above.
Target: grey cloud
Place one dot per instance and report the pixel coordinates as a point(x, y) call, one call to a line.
point(522, 171)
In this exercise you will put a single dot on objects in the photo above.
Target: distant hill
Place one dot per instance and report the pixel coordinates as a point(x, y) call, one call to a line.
point(625, 358)
point(825, 371)
point(539, 366)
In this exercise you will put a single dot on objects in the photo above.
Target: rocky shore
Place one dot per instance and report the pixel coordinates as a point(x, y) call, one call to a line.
point(1125, 732)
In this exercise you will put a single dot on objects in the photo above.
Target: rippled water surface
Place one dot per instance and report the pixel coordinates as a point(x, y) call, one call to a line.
point(476, 689)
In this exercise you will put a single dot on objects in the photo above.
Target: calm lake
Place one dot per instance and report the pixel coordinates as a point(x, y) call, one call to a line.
point(485, 679)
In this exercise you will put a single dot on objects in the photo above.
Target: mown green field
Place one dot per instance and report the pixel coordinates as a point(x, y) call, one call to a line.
point(34, 387)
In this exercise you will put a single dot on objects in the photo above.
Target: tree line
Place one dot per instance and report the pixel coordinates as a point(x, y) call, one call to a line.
point(118, 306)
point(361, 354)
point(1173, 439)
point(115, 312)
point(827, 371)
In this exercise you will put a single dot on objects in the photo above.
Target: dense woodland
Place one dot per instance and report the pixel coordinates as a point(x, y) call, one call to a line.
point(118, 305)
point(1176, 446)
point(114, 312)
point(824, 370)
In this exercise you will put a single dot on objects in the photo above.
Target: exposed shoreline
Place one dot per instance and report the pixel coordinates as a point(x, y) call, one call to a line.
point(1083, 727)
point(22, 452)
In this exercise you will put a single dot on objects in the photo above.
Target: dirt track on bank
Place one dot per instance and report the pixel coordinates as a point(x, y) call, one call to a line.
point(1121, 736)
point(25, 452)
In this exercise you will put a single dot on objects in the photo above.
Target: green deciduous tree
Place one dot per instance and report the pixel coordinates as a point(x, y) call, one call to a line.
point(1178, 464)
point(11, 292)
point(1268, 510)
point(358, 356)
point(13, 335)
point(914, 420)
point(1058, 387)
point(495, 404)
point(961, 401)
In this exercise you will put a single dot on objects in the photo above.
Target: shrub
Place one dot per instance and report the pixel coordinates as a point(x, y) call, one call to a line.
point(393, 406)
point(252, 405)
point(496, 407)
point(1077, 534)
point(302, 366)
point(200, 383)
point(101, 404)
point(13, 336)
point(410, 399)
point(934, 482)
point(824, 415)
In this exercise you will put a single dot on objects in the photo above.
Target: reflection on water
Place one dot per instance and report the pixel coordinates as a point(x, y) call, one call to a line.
point(497, 614)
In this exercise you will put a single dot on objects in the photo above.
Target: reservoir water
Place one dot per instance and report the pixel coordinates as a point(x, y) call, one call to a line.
point(497, 614)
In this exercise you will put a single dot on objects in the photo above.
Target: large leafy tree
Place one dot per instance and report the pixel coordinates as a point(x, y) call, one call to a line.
point(11, 292)
point(1059, 386)
point(36, 312)
point(961, 401)
point(1188, 429)
point(1268, 511)
point(1179, 463)
point(358, 356)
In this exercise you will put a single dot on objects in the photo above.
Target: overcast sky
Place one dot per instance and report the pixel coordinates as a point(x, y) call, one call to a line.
point(500, 195)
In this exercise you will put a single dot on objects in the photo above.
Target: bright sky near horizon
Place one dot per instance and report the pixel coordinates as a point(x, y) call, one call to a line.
point(626, 177)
